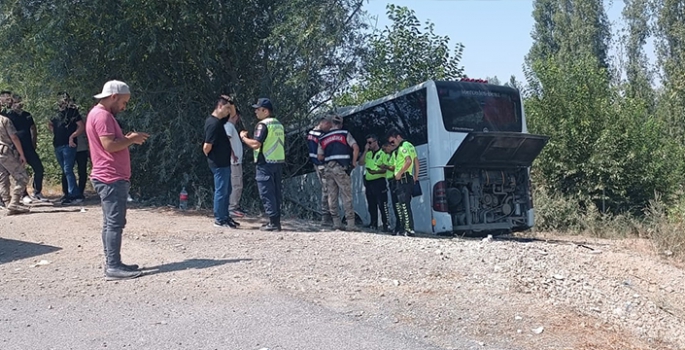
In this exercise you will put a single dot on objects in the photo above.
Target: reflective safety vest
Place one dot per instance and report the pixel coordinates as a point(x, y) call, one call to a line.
point(389, 160)
point(406, 149)
point(373, 161)
point(274, 145)
point(335, 147)
point(313, 137)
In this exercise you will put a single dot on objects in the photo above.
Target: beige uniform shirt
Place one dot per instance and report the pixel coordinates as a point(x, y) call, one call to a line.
point(6, 129)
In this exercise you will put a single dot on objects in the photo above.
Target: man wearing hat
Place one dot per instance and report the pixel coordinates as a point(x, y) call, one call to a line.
point(269, 155)
point(339, 151)
point(313, 138)
point(111, 172)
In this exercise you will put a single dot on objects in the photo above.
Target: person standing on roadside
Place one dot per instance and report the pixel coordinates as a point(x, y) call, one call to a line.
point(12, 164)
point(28, 135)
point(339, 150)
point(269, 155)
point(66, 126)
point(375, 183)
point(406, 173)
point(111, 172)
point(82, 155)
point(217, 149)
point(313, 138)
point(231, 128)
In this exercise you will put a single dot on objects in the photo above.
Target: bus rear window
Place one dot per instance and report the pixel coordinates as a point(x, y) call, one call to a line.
point(465, 110)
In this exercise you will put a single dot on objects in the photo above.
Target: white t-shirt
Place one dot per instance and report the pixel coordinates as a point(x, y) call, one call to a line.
point(236, 143)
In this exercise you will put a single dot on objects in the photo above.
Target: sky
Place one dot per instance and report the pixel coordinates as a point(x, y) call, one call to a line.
point(495, 33)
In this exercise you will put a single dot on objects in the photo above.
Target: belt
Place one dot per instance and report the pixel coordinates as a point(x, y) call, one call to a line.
point(406, 178)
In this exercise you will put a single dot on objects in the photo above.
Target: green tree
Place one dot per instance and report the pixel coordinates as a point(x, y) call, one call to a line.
point(637, 16)
point(601, 144)
point(401, 55)
point(670, 42)
point(178, 55)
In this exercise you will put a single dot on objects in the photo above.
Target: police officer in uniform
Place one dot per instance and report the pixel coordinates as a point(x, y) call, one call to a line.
point(406, 173)
point(269, 156)
point(313, 138)
point(12, 164)
point(374, 181)
point(389, 166)
point(339, 151)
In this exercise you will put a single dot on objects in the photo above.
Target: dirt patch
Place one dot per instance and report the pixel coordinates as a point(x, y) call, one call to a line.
point(541, 292)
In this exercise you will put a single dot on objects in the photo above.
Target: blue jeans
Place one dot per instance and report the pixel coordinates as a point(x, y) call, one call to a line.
point(66, 157)
point(113, 197)
point(222, 192)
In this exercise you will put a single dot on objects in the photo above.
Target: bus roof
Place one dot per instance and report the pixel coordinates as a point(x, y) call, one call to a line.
point(384, 99)
point(345, 111)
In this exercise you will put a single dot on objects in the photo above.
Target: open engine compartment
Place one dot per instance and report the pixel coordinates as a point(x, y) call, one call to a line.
point(494, 200)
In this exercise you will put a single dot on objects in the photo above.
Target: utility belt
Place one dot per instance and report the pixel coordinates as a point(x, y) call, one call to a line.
point(406, 178)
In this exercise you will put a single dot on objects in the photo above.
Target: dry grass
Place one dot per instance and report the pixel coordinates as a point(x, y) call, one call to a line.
point(662, 225)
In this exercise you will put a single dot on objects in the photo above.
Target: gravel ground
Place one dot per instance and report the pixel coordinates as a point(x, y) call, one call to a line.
point(208, 288)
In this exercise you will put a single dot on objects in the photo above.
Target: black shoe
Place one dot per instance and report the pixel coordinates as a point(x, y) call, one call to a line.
point(409, 233)
point(232, 223)
point(222, 224)
point(116, 274)
point(65, 201)
point(270, 227)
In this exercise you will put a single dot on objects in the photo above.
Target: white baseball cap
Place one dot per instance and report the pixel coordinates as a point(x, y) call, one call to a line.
point(113, 87)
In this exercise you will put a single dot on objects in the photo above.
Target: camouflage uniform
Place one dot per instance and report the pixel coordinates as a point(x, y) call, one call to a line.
point(338, 182)
point(10, 165)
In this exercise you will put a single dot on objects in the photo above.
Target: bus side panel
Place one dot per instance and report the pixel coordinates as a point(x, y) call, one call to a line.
point(359, 196)
point(441, 146)
point(421, 205)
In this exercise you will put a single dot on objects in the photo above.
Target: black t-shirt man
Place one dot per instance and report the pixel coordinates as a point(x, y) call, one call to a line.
point(23, 122)
point(64, 125)
point(220, 155)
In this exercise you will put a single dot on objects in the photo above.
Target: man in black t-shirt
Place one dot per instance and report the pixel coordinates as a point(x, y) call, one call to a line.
point(66, 126)
point(217, 148)
point(28, 136)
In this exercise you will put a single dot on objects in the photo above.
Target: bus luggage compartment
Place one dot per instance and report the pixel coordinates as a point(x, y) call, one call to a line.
point(488, 183)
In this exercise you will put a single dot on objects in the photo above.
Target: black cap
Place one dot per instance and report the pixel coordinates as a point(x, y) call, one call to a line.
point(264, 103)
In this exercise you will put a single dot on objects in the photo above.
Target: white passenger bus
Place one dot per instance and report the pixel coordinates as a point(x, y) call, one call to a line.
point(474, 155)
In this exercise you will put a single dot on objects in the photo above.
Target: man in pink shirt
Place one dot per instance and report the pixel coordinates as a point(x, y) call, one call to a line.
point(112, 171)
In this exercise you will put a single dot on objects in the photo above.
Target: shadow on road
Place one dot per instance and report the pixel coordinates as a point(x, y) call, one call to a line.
point(11, 250)
point(189, 264)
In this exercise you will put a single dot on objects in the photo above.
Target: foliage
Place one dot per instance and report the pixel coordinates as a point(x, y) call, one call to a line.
point(402, 55)
point(178, 56)
point(603, 147)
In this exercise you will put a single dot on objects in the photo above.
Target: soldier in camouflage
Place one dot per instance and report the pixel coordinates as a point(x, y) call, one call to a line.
point(12, 164)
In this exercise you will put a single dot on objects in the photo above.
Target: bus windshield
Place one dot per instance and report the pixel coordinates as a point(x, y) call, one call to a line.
point(472, 106)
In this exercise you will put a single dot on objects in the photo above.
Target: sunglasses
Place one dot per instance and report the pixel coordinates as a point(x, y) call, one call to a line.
point(370, 142)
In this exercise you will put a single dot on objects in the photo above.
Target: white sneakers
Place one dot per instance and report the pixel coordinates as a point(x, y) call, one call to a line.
point(39, 196)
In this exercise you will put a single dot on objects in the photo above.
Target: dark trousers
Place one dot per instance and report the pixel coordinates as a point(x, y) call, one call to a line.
point(268, 176)
point(403, 191)
point(377, 198)
point(113, 197)
point(33, 160)
point(392, 185)
point(82, 170)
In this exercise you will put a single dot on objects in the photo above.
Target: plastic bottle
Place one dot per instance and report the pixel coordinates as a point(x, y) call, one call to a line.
point(183, 199)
